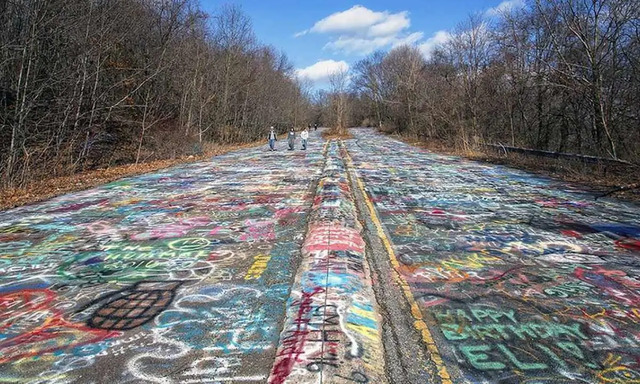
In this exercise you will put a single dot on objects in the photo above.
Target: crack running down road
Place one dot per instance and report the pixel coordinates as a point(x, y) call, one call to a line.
point(363, 261)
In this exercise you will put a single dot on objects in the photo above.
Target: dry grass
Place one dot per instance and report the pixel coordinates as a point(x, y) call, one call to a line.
point(332, 133)
point(597, 177)
point(48, 188)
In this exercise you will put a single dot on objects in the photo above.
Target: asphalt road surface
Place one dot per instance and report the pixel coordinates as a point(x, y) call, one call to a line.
point(356, 261)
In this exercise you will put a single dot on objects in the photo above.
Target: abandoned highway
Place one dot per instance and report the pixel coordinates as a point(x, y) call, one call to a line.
point(364, 260)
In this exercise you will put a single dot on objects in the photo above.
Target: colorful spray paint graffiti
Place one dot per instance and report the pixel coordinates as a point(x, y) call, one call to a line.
point(332, 332)
point(177, 276)
point(189, 275)
point(521, 279)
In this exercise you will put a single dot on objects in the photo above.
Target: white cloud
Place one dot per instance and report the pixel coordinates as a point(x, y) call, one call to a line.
point(366, 45)
point(322, 70)
point(391, 25)
point(439, 38)
point(355, 19)
point(362, 31)
point(363, 46)
point(505, 7)
point(359, 30)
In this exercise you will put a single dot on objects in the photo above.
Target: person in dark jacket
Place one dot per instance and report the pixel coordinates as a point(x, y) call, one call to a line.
point(291, 138)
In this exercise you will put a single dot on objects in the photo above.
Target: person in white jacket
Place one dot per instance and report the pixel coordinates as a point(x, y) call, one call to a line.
point(304, 136)
point(272, 137)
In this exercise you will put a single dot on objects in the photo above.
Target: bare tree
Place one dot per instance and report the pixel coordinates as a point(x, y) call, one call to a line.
point(368, 81)
point(339, 82)
point(82, 86)
point(557, 75)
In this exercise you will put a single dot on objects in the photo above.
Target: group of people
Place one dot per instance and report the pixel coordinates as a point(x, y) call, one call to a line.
point(291, 138)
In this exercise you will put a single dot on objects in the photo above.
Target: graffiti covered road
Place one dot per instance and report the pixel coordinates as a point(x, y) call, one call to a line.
point(515, 278)
point(357, 261)
point(182, 275)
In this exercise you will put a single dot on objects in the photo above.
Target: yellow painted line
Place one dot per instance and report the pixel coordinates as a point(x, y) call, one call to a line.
point(418, 323)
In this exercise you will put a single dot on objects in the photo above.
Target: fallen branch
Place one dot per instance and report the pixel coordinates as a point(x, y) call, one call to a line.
point(555, 155)
point(619, 189)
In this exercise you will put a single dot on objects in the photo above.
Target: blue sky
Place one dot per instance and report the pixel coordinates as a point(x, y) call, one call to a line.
point(323, 36)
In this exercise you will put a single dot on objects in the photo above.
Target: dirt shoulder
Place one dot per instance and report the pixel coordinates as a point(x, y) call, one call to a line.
point(48, 188)
point(329, 134)
point(619, 181)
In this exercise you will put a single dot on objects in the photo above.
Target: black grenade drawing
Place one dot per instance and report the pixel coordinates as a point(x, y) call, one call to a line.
point(133, 306)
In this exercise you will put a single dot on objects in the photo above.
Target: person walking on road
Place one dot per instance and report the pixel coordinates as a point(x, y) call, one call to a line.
point(272, 139)
point(304, 136)
point(315, 126)
point(291, 139)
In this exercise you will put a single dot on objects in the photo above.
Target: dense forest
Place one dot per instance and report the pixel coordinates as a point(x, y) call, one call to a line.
point(559, 75)
point(86, 84)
